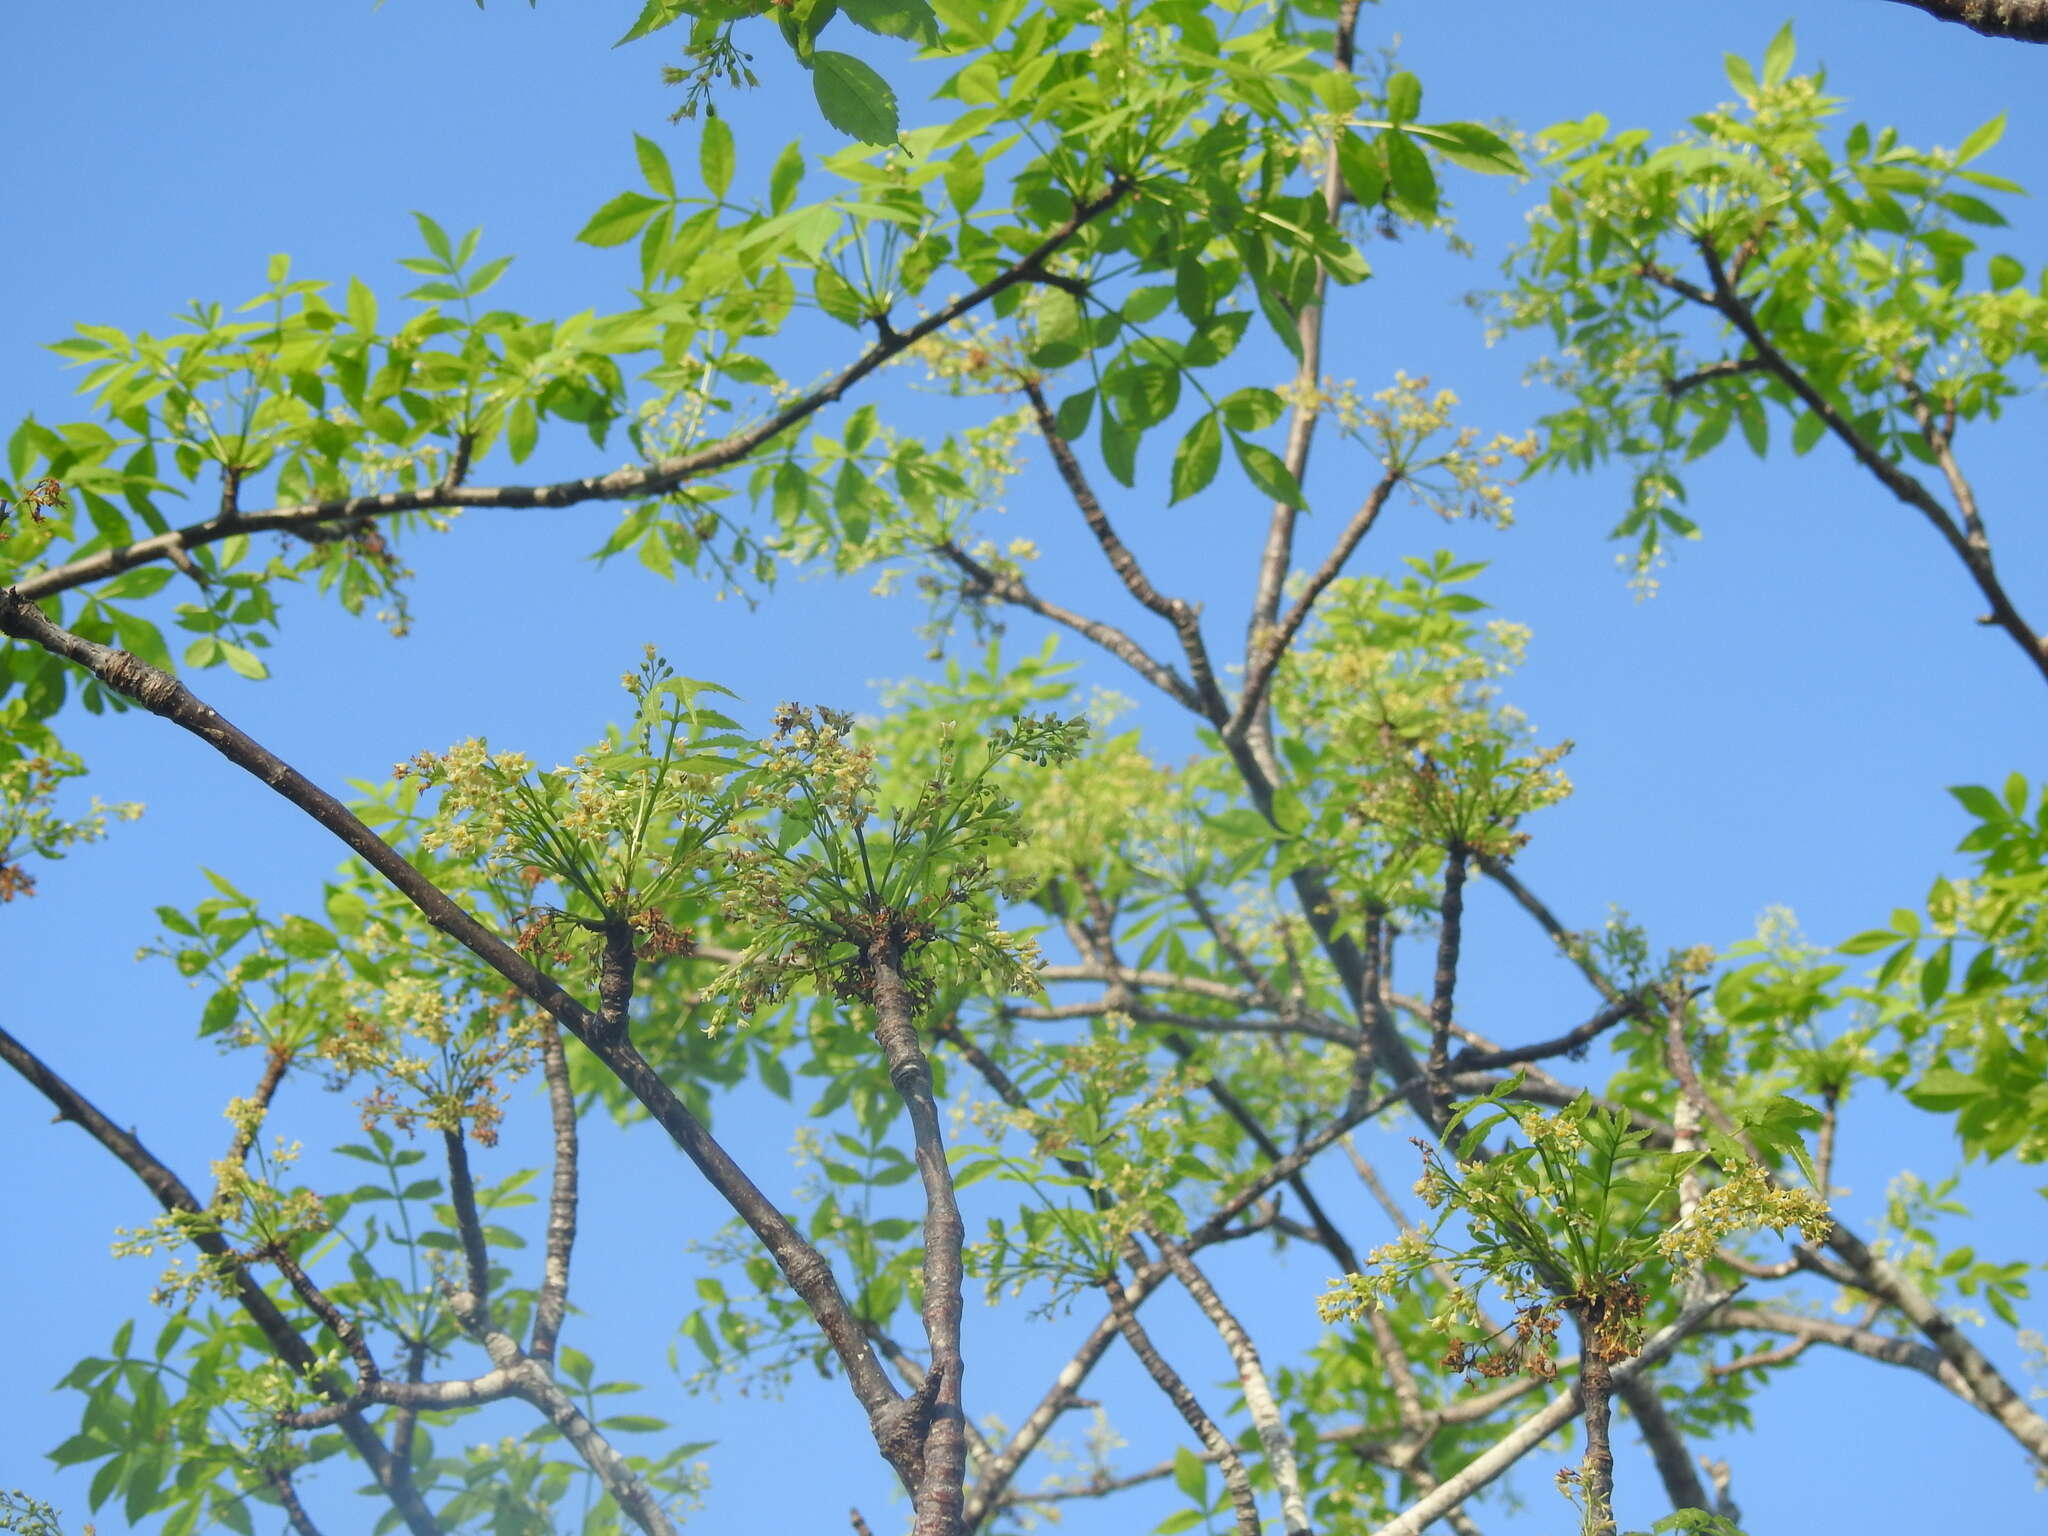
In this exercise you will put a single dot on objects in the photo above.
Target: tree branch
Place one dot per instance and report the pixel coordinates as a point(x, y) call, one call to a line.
point(941, 1450)
point(1190, 1409)
point(1184, 616)
point(806, 1269)
point(1973, 552)
point(2019, 21)
point(1542, 1424)
point(1570, 1043)
point(982, 582)
point(1278, 556)
point(654, 479)
point(551, 1306)
point(1265, 658)
point(284, 1340)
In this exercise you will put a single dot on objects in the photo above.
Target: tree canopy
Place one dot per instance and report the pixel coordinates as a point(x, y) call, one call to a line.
point(1075, 1006)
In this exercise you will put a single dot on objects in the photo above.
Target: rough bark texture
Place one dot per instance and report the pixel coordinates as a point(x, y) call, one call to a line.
point(940, 1492)
point(2021, 21)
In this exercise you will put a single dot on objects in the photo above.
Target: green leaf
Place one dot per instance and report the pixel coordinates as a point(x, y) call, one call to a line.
point(1471, 146)
point(1263, 467)
point(1414, 182)
point(1778, 56)
point(654, 15)
point(1195, 461)
point(654, 166)
point(437, 240)
point(1971, 210)
point(1191, 1475)
point(2006, 272)
point(1145, 394)
point(1869, 942)
point(715, 156)
point(1740, 75)
point(1360, 168)
point(1934, 975)
point(1979, 802)
point(911, 20)
point(784, 179)
point(1252, 409)
point(620, 219)
point(854, 99)
point(243, 661)
point(964, 176)
point(1062, 329)
point(1071, 419)
point(1404, 97)
point(1120, 450)
point(522, 430)
point(1981, 139)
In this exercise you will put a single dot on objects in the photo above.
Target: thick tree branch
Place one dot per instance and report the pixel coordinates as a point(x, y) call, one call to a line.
point(941, 1449)
point(1450, 934)
point(469, 1228)
point(2019, 21)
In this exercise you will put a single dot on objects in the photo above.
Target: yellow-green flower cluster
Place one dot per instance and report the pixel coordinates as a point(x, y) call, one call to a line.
point(1745, 1201)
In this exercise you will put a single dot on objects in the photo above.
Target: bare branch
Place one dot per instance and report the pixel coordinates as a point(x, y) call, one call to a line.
point(551, 1306)
point(288, 1496)
point(1803, 1331)
point(1449, 937)
point(1184, 616)
point(1095, 1008)
point(1570, 1043)
point(1568, 943)
point(982, 582)
point(1168, 1381)
point(940, 1445)
point(2019, 21)
point(469, 1227)
point(1266, 655)
point(1729, 368)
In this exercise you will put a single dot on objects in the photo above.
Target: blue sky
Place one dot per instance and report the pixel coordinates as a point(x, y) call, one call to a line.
point(1775, 728)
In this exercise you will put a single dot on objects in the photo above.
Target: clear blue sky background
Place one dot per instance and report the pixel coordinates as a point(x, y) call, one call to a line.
point(1776, 728)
